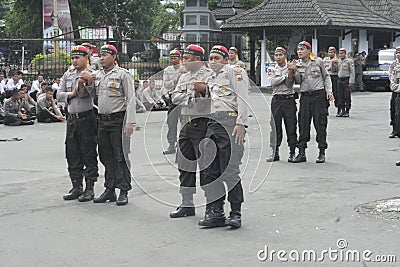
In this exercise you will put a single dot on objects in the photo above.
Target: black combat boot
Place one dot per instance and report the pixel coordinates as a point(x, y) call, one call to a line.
point(292, 154)
point(394, 133)
point(339, 113)
point(398, 163)
point(301, 157)
point(88, 194)
point(346, 113)
point(321, 156)
point(186, 208)
point(274, 155)
point(75, 192)
point(215, 216)
point(122, 198)
point(108, 194)
point(170, 150)
point(235, 217)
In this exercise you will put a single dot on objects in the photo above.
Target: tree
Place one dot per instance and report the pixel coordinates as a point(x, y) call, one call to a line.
point(24, 19)
point(168, 19)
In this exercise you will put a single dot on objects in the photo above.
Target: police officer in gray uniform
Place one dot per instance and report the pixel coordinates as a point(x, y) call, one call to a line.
point(331, 65)
point(315, 89)
point(228, 89)
point(93, 62)
point(116, 98)
point(195, 109)
point(346, 79)
point(283, 106)
point(81, 136)
point(395, 87)
point(395, 100)
point(171, 76)
point(12, 111)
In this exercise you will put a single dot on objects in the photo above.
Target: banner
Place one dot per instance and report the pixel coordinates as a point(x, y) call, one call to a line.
point(64, 25)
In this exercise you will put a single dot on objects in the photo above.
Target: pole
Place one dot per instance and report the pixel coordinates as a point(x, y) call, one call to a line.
point(56, 32)
point(23, 57)
point(263, 60)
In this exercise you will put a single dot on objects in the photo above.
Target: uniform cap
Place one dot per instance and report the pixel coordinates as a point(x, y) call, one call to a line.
point(332, 49)
point(280, 49)
point(195, 50)
point(342, 50)
point(220, 49)
point(234, 49)
point(79, 50)
point(88, 45)
point(174, 53)
point(305, 44)
point(109, 49)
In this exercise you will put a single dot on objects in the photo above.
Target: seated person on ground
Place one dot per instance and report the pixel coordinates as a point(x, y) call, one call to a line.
point(150, 98)
point(12, 111)
point(46, 110)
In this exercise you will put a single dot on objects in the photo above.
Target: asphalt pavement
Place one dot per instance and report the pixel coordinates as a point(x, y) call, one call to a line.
point(291, 208)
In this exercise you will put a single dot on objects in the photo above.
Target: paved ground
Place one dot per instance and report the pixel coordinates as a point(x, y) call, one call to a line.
point(288, 207)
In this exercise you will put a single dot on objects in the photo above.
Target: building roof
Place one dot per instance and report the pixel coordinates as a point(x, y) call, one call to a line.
point(312, 14)
point(387, 7)
point(227, 9)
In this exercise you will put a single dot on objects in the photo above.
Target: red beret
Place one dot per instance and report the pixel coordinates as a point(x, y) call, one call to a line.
point(281, 50)
point(109, 49)
point(234, 49)
point(79, 50)
point(219, 49)
point(195, 50)
point(89, 45)
point(174, 53)
point(305, 44)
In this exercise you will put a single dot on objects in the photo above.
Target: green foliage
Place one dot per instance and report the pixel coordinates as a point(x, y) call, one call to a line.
point(168, 19)
point(51, 59)
point(25, 19)
point(251, 3)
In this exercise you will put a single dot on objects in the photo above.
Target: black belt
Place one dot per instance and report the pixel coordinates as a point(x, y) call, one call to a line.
point(80, 115)
point(313, 93)
point(343, 78)
point(112, 116)
point(283, 97)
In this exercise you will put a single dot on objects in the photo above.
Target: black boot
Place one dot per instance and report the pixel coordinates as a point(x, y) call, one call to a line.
point(398, 163)
point(170, 150)
point(123, 198)
point(274, 156)
point(215, 216)
point(186, 208)
point(393, 134)
point(346, 113)
point(88, 194)
point(235, 217)
point(292, 154)
point(108, 194)
point(75, 192)
point(301, 157)
point(339, 112)
point(321, 156)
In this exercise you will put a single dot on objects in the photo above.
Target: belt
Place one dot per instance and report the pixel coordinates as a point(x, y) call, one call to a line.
point(193, 118)
point(112, 116)
point(343, 78)
point(224, 115)
point(313, 93)
point(80, 115)
point(283, 97)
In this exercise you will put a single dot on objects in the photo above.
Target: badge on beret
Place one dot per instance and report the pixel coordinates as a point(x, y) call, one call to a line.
point(223, 90)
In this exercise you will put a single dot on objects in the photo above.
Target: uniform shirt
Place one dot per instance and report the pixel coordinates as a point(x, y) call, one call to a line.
point(280, 82)
point(150, 95)
point(394, 74)
point(346, 69)
point(170, 78)
point(55, 87)
point(12, 108)
point(44, 105)
point(94, 63)
point(115, 92)
point(80, 103)
point(312, 76)
point(238, 63)
point(11, 85)
point(36, 86)
point(359, 66)
point(330, 66)
point(27, 103)
point(229, 92)
point(139, 94)
point(183, 94)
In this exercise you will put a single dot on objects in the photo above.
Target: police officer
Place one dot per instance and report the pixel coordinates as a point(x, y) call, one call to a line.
point(315, 88)
point(234, 58)
point(13, 116)
point(93, 62)
point(228, 89)
point(171, 76)
point(116, 98)
point(47, 110)
point(81, 136)
point(331, 65)
point(346, 79)
point(194, 117)
point(395, 87)
point(283, 106)
point(359, 64)
point(395, 100)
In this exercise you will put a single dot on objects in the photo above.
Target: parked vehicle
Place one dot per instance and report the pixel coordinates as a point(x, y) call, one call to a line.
point(376, 74)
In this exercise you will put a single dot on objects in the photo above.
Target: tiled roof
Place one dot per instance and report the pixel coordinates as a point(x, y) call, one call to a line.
point(312, 13)
point(230, 3)
point(387, 7)
point(227, 9)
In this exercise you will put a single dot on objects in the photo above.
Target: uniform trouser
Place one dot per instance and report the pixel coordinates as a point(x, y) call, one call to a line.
point(313, 106)
point(283, 109)
point(46, 117)
point(173, 115)
point(359, 82)
point(190, 136)
point(14, 121)
point(397, 113)
point(334, 80)
point(224, 166)
point(81, 149)
point(395, 123)
point(113, 153)
point(344, 93)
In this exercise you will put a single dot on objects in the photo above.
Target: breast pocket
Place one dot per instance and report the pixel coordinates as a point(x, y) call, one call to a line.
point(316, 72)
point(114, 89)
